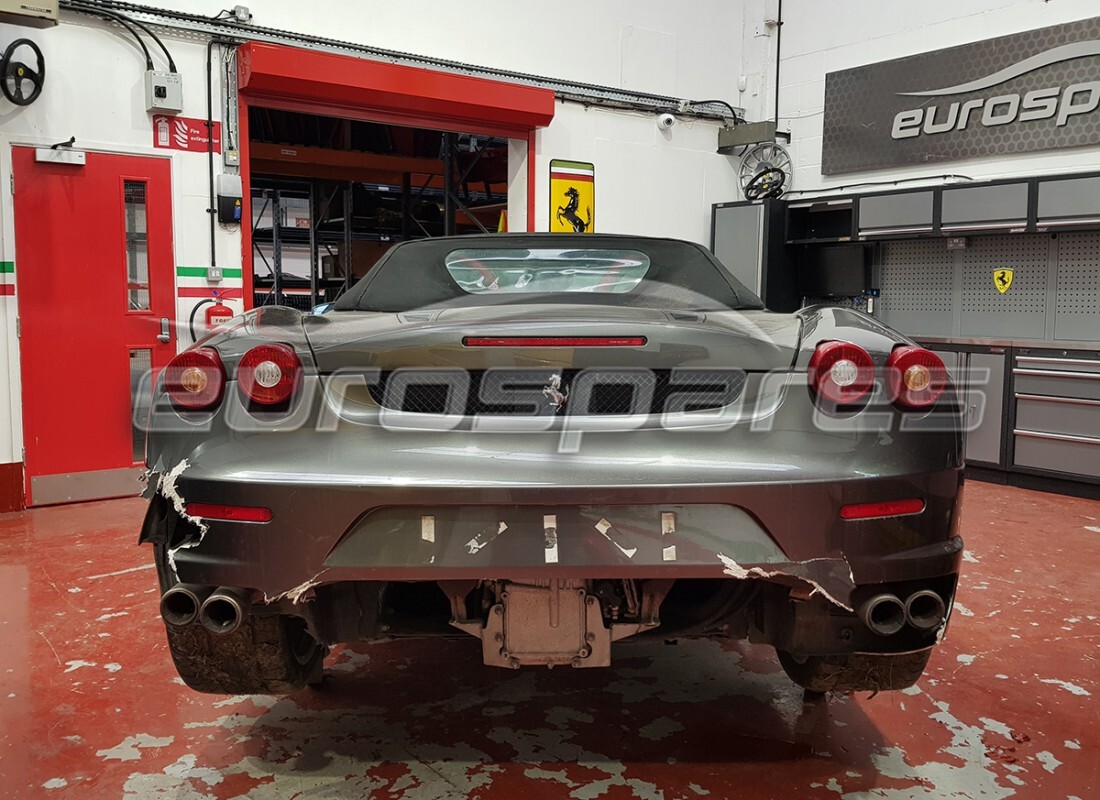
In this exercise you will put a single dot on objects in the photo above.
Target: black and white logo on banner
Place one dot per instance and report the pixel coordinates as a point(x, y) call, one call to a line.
point(1038, 90)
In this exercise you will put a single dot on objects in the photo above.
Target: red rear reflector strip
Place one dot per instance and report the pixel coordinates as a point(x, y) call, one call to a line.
point(554, 341)
point(891, 508)
point(229, 513)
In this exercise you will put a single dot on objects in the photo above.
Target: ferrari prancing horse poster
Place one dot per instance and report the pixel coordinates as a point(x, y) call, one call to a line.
point(572, 197)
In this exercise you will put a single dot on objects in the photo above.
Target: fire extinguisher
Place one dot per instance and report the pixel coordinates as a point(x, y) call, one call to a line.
point(217, 314)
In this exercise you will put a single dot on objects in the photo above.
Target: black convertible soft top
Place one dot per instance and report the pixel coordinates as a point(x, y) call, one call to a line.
point(680, 276)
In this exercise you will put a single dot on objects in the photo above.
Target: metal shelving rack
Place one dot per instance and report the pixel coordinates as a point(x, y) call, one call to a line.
point(279, 236)
point(327, 230)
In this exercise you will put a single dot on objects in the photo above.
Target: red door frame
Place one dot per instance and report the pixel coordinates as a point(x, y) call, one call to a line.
point(314, 82)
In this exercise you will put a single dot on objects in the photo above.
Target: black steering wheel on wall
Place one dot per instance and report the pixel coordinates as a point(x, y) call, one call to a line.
point(20, 81)
point(765, 184)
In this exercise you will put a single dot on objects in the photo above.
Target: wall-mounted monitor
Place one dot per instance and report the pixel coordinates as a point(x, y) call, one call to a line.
point(835, 270)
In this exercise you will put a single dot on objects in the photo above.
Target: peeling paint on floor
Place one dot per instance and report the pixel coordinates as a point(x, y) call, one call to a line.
point(129, 749)
point(1072, 688)
point(1006, 708)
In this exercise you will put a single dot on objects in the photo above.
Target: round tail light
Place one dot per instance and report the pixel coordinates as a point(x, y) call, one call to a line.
point(915, 377)
point(195, 379)
point(841, 372)
point(269, 373)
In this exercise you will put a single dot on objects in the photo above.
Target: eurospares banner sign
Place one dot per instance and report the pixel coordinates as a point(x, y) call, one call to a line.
point(1038, 90)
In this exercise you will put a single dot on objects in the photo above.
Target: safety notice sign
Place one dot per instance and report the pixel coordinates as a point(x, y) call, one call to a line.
point(185, 133)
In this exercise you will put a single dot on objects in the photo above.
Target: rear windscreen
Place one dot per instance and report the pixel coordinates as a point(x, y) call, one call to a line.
point(545, 269)
point(598, 269)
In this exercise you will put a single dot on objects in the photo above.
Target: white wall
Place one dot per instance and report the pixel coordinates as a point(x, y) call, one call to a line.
point(647, 181)
point(758, 44)
point(819, 38)
point(655, 46)
point(94, 91)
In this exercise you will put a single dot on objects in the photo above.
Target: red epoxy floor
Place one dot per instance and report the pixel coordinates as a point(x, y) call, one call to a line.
point(90, 706)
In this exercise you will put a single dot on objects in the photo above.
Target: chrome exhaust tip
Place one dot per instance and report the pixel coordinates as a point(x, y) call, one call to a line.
point(180, 605)
point(925, 610)
point(884, 614)
point(224, 610)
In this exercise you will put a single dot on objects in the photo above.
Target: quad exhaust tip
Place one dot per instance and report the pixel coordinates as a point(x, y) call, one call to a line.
point(218, 610)
point(180, 605)
point(224, 610)
point(884, 614)
point(925, 610)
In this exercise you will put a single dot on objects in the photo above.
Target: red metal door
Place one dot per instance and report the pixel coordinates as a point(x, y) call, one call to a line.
point(95, 282)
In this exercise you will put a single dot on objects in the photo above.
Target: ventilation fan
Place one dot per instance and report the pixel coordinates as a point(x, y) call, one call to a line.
point(766, 171)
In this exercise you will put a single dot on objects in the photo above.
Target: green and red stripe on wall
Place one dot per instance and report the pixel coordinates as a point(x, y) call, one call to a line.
point(7, 288)
point(206, 289)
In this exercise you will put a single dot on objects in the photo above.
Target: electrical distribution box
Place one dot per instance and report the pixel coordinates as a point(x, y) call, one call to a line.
point(33, 13)
point(163, 92)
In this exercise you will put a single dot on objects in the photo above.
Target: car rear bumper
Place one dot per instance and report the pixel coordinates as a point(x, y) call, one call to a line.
point(787, 532)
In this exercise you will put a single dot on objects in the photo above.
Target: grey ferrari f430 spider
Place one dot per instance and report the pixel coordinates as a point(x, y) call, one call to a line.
point(552, 443)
